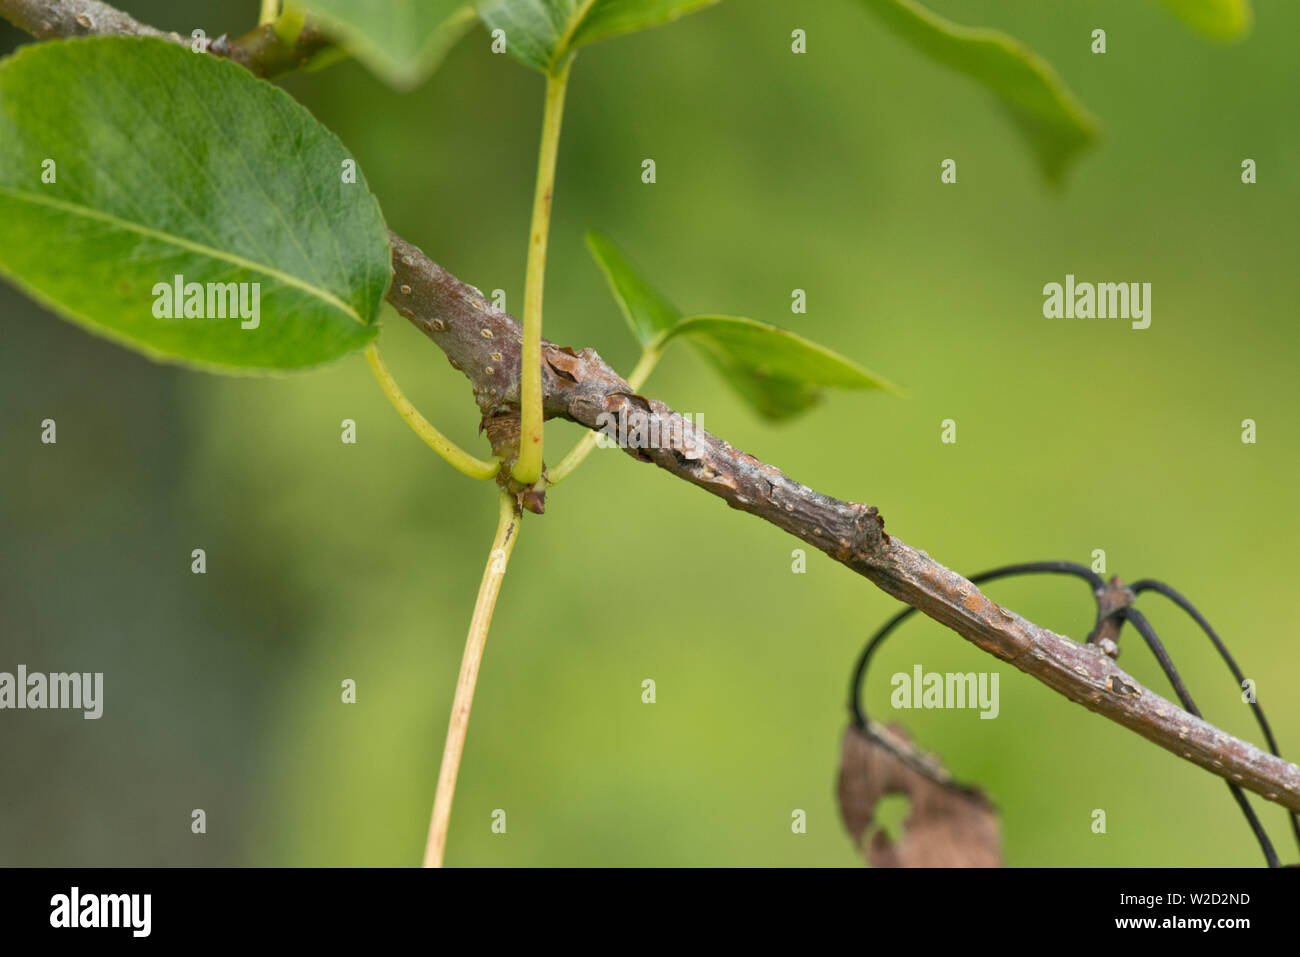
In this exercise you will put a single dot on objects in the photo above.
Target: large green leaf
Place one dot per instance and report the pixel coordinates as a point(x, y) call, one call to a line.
point(402, 41)
point(778, 372)
point(1216, 19)
point(646, 311)
point(544, 33)
point(1056, 125)
point(174, 163)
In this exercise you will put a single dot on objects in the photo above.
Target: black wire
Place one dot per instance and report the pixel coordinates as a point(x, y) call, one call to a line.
point(1006, 571)
point(1148, 584)
point(1158, 649)
point(1149, 636)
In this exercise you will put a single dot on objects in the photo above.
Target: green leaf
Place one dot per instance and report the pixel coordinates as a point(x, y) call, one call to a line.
point(168, 163)
point(1056, 125)
point(646, 311)
point(611, 18)
point(544, 33)
point(1216, 19)
point(401, 41)
point(780, 373)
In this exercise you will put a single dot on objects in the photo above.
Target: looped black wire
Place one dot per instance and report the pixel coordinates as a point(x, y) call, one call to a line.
point(1150, 584)
point(1121, 615)
point(1158, 649)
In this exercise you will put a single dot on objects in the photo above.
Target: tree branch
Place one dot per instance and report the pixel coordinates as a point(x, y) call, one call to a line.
point(580, 386)
point(259, 50)
point(48, 19)
point(484, 343)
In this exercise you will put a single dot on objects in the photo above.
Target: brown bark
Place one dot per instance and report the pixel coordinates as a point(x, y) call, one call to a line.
point(259, 50)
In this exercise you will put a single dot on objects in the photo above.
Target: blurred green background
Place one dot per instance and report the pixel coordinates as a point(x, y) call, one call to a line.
point(775, 171)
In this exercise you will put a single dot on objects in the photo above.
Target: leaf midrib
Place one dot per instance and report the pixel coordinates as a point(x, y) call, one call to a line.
point(283, 277)
point(562, 45)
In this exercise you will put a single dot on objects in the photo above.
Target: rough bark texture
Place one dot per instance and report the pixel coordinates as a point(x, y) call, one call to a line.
point(259, 50)
point(46, 19)
point(484, 343)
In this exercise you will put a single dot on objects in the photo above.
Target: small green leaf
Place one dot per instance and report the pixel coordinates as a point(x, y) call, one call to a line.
point(646, 311)
point(544, 33)
point(125, 162)
point(771, 350)
point(401, 41)
point(1056, 125)
point(610, 18)
point(779, 372)
point(1216, 19)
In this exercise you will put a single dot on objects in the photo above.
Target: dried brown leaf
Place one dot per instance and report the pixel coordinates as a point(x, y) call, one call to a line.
point(949, 825)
